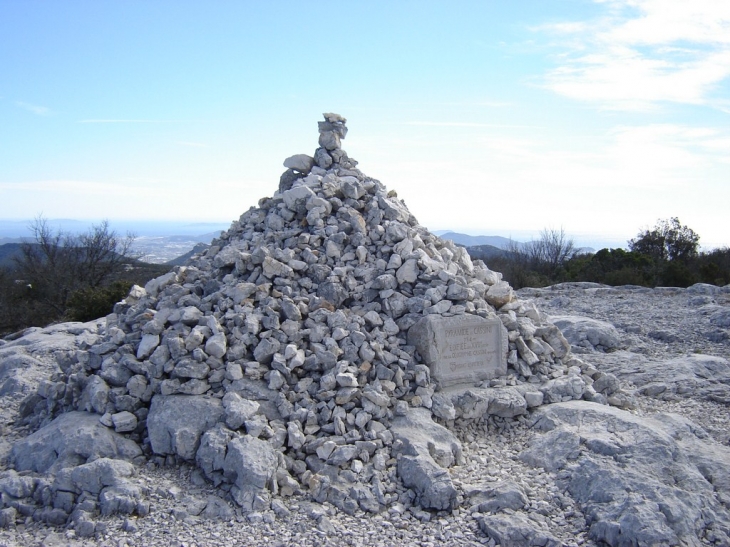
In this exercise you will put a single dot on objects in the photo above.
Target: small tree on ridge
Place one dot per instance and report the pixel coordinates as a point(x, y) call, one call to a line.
point(668, 240)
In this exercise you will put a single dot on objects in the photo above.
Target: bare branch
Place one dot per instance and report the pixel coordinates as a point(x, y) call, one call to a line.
point(59, 263)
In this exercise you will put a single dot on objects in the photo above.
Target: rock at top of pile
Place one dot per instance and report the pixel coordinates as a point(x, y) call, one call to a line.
point(291, 332)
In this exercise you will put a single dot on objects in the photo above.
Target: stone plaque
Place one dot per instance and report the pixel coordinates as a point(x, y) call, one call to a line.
point(463, 349)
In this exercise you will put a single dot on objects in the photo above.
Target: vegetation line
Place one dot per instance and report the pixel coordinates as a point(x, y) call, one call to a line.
point(665, 255)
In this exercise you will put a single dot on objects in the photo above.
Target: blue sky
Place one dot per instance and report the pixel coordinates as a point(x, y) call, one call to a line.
point(486, 117)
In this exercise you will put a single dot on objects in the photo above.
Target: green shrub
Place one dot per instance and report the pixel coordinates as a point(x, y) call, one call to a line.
point(668, 240)
point(613, 267)
point(677, 274)
point(91, 303)
point(714, 266)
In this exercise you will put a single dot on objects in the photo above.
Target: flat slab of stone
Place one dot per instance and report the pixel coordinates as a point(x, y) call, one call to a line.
point(176, 422)
point(464, 349)
point(72, 439)
point(673, 492)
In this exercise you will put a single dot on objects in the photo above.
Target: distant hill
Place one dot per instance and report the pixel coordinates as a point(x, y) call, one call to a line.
point(480, 244)
point(210, 236)
point(471, 241)
point(7, 252)
point(183, 259)
point(203, 238)
point(486, 252)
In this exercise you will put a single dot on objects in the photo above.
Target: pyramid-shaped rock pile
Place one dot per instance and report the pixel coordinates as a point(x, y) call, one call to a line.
point(303, 351)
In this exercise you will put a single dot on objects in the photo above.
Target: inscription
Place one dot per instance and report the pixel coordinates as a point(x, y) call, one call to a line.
point(489, 355)
point(461, 349)
point(467, 348)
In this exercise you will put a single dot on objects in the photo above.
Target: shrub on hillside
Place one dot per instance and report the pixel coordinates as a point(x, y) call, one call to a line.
point(57, 264)
point(613, 267)
point(60, 276)
point(668, 240)
point(714, 267)
point(93, 302)
point(666, 255)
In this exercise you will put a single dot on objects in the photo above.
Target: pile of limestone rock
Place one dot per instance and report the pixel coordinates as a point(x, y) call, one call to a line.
point(299, 353)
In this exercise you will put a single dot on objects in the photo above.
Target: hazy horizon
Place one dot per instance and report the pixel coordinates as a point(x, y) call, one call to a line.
point(600, 116)
point(16, 228)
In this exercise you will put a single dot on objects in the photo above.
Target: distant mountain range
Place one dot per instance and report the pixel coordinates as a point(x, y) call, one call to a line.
point(175, 250)
point(486, 252)
point(490, 246)
point(471, 241)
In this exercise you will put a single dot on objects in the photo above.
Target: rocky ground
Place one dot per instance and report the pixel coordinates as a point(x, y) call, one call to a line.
point(640, 331)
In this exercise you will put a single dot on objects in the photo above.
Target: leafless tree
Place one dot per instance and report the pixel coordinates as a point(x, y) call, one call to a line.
point(538, 261)
point(57, 263)
point(553, 249)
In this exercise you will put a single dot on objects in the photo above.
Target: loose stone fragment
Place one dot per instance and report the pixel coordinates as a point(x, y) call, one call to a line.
point(124, 422)
point(216, 345)
point(238, 410)
point(300, 162)
point(70, 438)
point(176, 422)
point(250, 463)
point(147, 345)
point(499, 294)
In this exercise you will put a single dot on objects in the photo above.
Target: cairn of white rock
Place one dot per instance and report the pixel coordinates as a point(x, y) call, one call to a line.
point(326, 343)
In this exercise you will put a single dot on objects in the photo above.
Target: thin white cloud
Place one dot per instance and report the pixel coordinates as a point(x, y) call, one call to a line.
point(667, 21)
point(618, 182)
point(636, 157)
point(34, 108)
point(644, 52)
